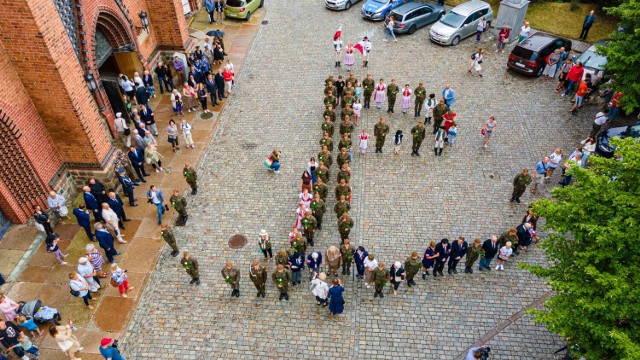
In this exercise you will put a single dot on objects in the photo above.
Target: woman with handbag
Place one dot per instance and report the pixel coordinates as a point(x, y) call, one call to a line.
point(476, 61)
point(396, 276)
point(189, 96)
point(176, 102)
point(320, 289)
point(487, 130)
point(503, 38)
point(43, 220)
point(67, 342)
point(172, 135)
point(80, 288)
point(153, 157)
point(119, 280)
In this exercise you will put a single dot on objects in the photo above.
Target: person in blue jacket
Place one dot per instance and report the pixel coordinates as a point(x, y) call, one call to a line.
point(314, 263)
point(443, 250)
point(106, 242)
point(296, 262)
point(358, 258)
point(117, 205)
point(92, 203)
point(210, 6)
point(84, 219)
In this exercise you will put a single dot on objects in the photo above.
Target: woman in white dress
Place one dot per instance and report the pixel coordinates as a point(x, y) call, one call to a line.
point(357, 108)
point(380, 93)
point(405, 101)
point(349, 57)
point(320, 289)
point(364, 139)
point(476, 62)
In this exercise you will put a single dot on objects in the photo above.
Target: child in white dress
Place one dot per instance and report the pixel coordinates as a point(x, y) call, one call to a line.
point(357, 107)
point(364, 139)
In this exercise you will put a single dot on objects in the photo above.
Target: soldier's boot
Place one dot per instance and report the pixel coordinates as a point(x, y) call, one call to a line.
point(408, 283)
point(192, 281)
point(197, 281)
point(194, 191)
point(344, 271)
point(455, 271)
point(237, 293)
point(349, 271)
point(513, 198)
point(286, 296)
point(381, 295)
point(233, 293)
point(175, 253)
point(440, 152)
point(281, 296)
point(264, 293)
point(518, 200)
point(259, 293)
point(375, 295)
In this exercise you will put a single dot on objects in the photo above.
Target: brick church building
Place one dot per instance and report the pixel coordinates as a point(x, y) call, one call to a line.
point(59, 62)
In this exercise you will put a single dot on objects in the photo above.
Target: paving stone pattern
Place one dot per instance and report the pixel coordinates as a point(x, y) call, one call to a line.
point(400, 203)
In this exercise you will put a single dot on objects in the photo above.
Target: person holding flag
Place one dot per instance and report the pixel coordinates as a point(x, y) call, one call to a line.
point(337, 46)
point(364, 47)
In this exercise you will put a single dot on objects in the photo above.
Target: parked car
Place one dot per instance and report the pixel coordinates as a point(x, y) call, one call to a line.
point(460, 22)
point(593, 61)
point(241, 9)
point(604, 147)
point(414, 15)
point(378, 9)
point(339, 4)
point(529, 56)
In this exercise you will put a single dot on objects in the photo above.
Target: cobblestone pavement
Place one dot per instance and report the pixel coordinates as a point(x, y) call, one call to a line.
point(400, 203)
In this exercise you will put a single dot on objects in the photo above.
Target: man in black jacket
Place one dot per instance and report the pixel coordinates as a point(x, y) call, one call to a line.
point(9, 337)
point(212, 89)
point(149, 119)
point(458, 250)
point(98, 190)
point(220, 84)
point(490, 248)
point(137, 161)
point(443, 250)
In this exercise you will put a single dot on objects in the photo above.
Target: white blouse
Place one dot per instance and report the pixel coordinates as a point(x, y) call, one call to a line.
point(370, 263)
point(320, 288)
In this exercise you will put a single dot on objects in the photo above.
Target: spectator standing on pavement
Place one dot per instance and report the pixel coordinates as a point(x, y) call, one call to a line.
point(320, 289)
point(67, 342)
point(473, 252)
point(176, 102)
point(127, 85)
point(186, 133)
point(615, 105)
point(458, 250)
point(588, 147)
point(124, 133)
point(449, 96)
point(551, 63)
point(358, 258)
point(444, 251)
point(219, 5)
point(136, 157)
point(112, 220)
point(541, 173)
point(227, 74)
point(429, 259)
point(117, 205)
point(389, 23)
point(209, 5)
point(189, 97)
point(147, 80)
point(439, 139)
point(525, 30)
point(480, 28)
point(56, 204)
point(581, 93)
point(503, 39)
point(503, 256)
point(96, 260)
point(172, 135)
point(490, 249)
point(588, 22)
point(574, 76)
point(161, 73)
point(554, 161)
point(531, 218)
point(8, 307)
point(9, 334)
point(487, 130)
point(127, 186)
point(153, 157)
point(119, 276)
point(396, 276)
point(336, 300)
point(42, 219)
point(86, 270)
point(106, 241)
point(601, 119)
point(108, 351)
point(78, 284)
point(52, 247)
point(212, 88)
point(370, 265)
point(202, 96)
point(564, 69)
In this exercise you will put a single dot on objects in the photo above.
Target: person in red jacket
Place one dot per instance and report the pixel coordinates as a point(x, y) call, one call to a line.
point(228, 79)
point(583, 90)
point(574, 77)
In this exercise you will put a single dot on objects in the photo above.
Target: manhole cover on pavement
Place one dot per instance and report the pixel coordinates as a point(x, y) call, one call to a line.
point(265, 22)
point(206, 116)
point(237, 241)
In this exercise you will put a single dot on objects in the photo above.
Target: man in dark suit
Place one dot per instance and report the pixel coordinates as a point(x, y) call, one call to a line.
point(443, 250)
point(127, 186)
point(116, 204)
point(147, 115)
point(490, 248)
point(523, 231)
point(220, 84)
point(212, 89)
point(106, 241)
point(458, 250)
point(84, 220)
point(136, 157)
point(98, 190)
point(197, 74)
point(92, 203)
point(142, 95)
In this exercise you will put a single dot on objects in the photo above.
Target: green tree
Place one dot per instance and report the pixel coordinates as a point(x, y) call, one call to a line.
point(593, 250)
point(623, 53)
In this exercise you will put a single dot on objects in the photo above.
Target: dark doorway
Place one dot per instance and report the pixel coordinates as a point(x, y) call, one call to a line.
point(112, 88)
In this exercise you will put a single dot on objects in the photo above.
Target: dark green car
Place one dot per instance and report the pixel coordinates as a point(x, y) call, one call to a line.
point(241, 9)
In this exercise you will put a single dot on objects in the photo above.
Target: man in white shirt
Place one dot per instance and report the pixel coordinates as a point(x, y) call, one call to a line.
point(56, 203)
point(601, 118)
point(111, 218)
point(122, 127)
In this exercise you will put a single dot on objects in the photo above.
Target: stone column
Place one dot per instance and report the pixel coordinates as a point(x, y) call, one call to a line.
point(511, 14)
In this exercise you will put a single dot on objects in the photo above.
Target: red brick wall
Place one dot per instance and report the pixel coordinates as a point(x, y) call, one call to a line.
point(168, 22)
point(41, 52)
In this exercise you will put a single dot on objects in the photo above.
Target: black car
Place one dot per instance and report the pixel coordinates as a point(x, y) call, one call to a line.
point(604, 148)
point(529, 56)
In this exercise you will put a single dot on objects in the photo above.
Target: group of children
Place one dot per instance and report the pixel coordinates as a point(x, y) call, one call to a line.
point(24, 342)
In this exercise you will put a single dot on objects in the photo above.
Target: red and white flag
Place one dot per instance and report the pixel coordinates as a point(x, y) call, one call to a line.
point(360, 47)
point(338, 34)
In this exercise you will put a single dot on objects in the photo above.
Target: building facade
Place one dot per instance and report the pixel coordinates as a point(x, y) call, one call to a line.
point(59, 62)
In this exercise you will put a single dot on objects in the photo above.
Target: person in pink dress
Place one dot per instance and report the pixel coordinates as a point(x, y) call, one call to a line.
point(349, 57)
point(300, 211)
point(8, 307)
point(306, 198)
point(380, 94)
point(405, 101)
point(364, 139)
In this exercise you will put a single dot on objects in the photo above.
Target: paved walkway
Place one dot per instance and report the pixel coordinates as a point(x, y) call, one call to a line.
point(39, 276)
point(400, 203)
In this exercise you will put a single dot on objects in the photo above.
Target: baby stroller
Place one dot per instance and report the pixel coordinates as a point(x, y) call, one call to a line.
point(41, 314)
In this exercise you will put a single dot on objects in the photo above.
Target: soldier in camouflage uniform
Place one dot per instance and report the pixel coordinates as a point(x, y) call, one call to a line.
point(331, 89)
point(343, 157)
point(258, 276)
point(343, 189)
point(330, 100)
point(326, 141)
point(322, 172)
point(438, 113)
point(380, 131)
point(282, 258)
point(346, 126)
point(309, 226)
point(167, 235)
point(392, 91)
point(348, 99)
point(327, 126)
point(330, 113)
point(347, 112)
point(282, 277)
point(299, 244)
point(368, 85)
point(191, 177)
point(231, 276)
point(344, 173)
point(412, 265)
point(419, 133)
point(345, 224)
point(190, 264)
point(379, 277)
point(345, 142)
point(320, 188)
point(520, 183)
point(318, 208)
point(352, 79)
point(421, 95)
point(328, 80)
point(341, 207)
point(325, 157)
point(510, 235)
point(179, 204)
point(347, 250)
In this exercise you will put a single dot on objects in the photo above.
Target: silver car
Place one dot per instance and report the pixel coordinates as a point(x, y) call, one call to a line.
point(339, 4)
point(414, 15)
point(460, 22)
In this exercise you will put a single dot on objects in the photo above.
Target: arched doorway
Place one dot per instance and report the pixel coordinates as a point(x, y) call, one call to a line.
point(115, 53)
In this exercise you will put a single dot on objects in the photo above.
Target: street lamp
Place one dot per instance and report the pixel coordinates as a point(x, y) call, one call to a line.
point(93, 86)
point(145, 20)
point(91, 81)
